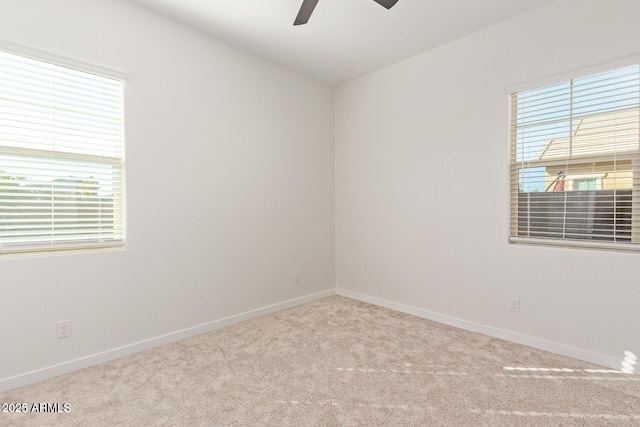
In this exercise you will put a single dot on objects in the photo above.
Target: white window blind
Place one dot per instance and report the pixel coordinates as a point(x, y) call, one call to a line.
point(575, 165)
point(61, 157)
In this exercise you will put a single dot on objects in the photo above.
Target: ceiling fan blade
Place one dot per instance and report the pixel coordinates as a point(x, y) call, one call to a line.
point(386, 3)
point(305, 11)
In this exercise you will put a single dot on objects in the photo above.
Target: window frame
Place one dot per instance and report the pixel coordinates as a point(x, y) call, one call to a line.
point(119, 162)
point(634, 245)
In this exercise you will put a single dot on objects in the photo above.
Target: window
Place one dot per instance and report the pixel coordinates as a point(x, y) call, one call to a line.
point(61, 157)
point(584, 184)
point(575, 163)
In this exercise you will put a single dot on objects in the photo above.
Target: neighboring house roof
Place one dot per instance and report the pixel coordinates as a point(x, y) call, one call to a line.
point(591, 135)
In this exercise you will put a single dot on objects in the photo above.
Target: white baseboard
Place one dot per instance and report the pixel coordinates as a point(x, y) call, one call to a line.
point(553, 347)
point(116, 353)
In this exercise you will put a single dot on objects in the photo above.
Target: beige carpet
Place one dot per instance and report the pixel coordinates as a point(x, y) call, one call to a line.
point(337, 362)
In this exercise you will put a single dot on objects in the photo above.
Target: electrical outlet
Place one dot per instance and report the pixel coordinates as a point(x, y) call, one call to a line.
point(514, 304)
point(296, 278)
point(63, 328)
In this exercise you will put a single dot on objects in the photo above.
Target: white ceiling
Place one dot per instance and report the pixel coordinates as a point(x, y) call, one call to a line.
point(344, 38)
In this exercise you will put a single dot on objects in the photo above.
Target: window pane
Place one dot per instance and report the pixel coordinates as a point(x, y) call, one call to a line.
point(61, 156)
point(575, 147)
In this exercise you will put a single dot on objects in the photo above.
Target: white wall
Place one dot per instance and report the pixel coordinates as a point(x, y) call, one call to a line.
point(229, 189)
point(422, 190)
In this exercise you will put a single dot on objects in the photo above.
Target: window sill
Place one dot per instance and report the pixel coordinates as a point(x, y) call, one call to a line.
point(618, 247)
point(60, 249)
